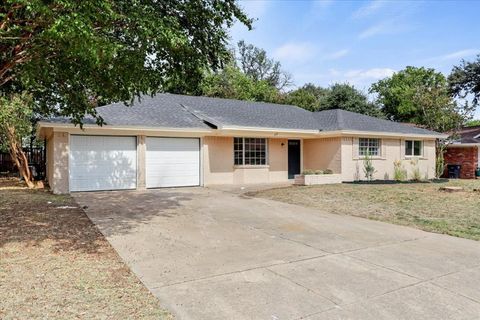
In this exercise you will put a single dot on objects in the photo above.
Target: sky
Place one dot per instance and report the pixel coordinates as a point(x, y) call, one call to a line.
point(360, 42)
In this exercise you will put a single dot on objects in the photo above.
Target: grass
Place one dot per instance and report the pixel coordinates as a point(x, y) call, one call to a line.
point(419, 205)
point(55, 264)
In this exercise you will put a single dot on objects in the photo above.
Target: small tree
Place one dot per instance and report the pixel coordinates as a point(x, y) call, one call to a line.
point(15, 115)
point(368, 167)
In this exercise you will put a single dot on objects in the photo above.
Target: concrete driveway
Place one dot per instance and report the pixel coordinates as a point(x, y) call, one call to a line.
point(210, 254)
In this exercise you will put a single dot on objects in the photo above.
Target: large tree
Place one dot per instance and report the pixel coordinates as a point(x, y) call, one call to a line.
point(420, 96)
point(70, 56)
point(338, 96)
point(255, 63)
point(232, 83)
point(464, 80)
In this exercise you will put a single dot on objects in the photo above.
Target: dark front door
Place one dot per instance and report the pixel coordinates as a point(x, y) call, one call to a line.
point(293, 158)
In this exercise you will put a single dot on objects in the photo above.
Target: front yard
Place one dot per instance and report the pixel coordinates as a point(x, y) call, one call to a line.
point(420, 205)
point(55, 264)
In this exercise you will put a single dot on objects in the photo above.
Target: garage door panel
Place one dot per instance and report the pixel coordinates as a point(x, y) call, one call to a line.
point(102, 163)
point(172, 162)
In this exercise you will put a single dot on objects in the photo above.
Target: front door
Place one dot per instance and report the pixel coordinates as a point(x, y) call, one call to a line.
point(293, 158)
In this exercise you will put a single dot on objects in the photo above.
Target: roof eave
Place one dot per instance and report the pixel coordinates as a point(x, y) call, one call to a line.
point(382, 133)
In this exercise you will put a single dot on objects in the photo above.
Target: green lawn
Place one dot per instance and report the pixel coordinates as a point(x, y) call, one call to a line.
point(420, 205)
point(55, 264)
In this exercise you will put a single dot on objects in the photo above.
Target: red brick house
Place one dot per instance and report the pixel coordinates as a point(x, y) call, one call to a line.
point(465, 152)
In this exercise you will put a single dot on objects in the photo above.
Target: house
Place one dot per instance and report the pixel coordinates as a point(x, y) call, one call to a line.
point(174, 140)
point(465, 151)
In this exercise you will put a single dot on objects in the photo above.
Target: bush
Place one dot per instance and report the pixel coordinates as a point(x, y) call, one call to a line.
point(416, 175)
point(308, 171)
point(368, 167)
point(399, 173)
point(328, 171)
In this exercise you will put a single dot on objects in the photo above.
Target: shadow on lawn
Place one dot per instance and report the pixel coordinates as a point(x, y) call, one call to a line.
point(37, 217)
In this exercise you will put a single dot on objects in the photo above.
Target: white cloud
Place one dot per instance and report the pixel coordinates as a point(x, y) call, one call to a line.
point(459, 54)
point(337, 54)
point(373, 31)
point(360, 78)
point(369, 9)
point(294, 51)
point(369, 74)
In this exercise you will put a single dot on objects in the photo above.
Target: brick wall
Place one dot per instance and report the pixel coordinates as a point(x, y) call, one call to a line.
point(467, 157)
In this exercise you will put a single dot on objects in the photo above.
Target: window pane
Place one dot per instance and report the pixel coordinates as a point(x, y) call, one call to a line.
point(369, 146)
point(408, 148)
point(417, 148)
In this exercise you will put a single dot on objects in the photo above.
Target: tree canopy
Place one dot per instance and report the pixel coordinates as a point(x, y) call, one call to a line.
point(232, 83)
point(255, 64)
point(464, 80)
point(338, 96)
point(74, 55)
point(420, 96)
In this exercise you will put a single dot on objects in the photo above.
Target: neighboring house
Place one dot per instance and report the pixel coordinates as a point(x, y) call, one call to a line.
point(174, 140)
point(465, 151)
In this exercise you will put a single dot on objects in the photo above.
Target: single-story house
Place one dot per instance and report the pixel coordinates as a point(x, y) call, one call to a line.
point(175, 140)
point(465, 151)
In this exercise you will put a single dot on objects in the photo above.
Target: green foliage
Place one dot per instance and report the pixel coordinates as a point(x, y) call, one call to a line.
point(316, 172)
point(232, 83)
point(74, 55)
point(464, 80)
point(256, 65)
point(399, 172)
point(440, 159)
point(15, 118)
point(416, 175)
point(368, 168)
point(472, 123)
point(328, 171)
point(338, 96)
point(420, 96)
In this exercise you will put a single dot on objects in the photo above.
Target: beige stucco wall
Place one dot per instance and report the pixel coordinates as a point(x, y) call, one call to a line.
point(219, 168)
point(392, 149)
point(57, 162)
point(321, 154)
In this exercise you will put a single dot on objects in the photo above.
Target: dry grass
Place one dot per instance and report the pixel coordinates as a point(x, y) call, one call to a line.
point(55, 264)
point(420, 205)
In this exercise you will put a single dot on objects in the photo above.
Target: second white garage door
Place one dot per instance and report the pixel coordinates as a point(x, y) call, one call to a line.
point(172, 162)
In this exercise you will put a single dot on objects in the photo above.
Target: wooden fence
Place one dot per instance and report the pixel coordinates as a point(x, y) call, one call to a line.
point(36, 159)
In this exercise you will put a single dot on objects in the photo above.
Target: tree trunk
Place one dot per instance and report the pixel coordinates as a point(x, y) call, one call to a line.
point(19, 157)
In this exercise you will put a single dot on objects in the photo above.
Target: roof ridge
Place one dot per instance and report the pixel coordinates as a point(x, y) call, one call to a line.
point(340, 120)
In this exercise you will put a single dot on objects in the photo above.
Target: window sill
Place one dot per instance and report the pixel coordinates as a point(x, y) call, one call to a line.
point(251, 166)
point(415, 157)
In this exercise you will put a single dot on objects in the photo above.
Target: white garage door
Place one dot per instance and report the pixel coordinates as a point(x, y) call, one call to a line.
point(172, 162)
point(102, 163)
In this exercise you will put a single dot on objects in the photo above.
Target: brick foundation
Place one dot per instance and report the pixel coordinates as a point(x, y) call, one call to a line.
point(467, 157)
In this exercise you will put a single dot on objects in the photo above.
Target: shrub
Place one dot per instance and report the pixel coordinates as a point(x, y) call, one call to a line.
point(328, 171)
point(368, 167)
point(319, 172)
point(308, 171)
point(416, 175)
point(399, 172)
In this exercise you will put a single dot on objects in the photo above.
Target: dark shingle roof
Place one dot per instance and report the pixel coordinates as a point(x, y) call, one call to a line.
point(469, 135)
point(337, 119)
point(180, 111)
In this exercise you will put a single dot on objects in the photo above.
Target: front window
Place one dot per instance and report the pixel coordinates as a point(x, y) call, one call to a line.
point(369, 146)
point(413, 148)
point(250, 151)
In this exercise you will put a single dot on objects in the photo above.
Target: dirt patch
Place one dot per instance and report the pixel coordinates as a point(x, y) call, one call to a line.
point(420, 205)
point(55, 264)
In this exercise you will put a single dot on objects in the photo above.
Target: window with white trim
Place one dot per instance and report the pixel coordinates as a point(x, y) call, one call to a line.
point(413, 148)
point(250, 151)
point(369, 146)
